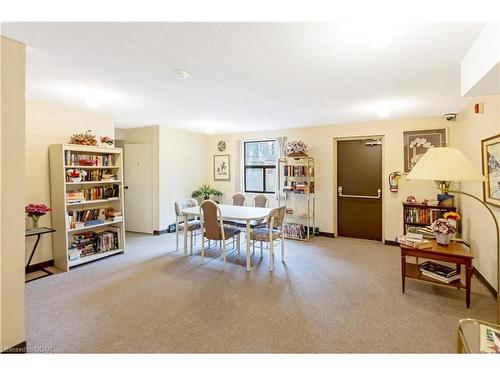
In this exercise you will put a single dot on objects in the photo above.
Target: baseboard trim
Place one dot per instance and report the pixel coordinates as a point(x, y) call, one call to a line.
point(391, 243)
point(39, 266)
point(326, 234)
point(16, 349)
point(159, 232)
point(485, 282)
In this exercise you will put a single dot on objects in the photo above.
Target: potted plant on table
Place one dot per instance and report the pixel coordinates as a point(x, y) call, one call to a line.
point(443, 230)
point(34, 211)
point(206, 191)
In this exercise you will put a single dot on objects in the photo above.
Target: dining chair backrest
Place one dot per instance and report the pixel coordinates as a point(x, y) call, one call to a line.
point(260, 201)
point(183, 204)
point(238, 199)
point(210, 217)
point(276, 217)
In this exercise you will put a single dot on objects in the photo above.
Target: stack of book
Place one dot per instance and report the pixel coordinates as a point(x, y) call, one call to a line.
point(439, 272)
point(88, 243)
point(415, 240)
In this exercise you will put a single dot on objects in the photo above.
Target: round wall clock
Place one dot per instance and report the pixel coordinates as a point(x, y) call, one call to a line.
point(221, 146)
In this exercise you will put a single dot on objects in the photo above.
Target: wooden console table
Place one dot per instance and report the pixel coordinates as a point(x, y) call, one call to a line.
point(457, 253)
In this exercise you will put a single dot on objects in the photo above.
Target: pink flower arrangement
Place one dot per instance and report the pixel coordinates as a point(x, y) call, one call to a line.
point(107, 140)
point(442, 226)
point(36, 209)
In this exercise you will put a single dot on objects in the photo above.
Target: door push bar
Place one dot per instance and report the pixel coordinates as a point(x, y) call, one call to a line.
point(379, 194)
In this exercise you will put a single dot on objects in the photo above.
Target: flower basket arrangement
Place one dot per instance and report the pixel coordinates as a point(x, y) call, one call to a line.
point(76, 175)
point(297, 148)
point(206, 191)
point(106, 141)
point(85, 139)
point(443, 231)
point(34, 211)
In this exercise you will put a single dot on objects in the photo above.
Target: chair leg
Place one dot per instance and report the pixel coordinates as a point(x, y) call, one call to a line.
point(282, 250)
point(271, 256)
point(224, 253)
point(238, 246)
point(191, 243)
point(177, 236)
point(261, 256)
point(203, 248)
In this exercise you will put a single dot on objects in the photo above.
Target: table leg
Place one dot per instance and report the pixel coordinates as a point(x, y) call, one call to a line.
point(468, 277)
point(184, 232)
point(32, 252)
point(459, 268)
point(248, 245)
point(403, 272)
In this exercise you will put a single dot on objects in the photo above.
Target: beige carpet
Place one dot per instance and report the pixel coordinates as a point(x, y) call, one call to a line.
point(333, 295)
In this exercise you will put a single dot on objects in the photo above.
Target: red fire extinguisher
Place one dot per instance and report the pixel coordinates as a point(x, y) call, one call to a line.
point(393, 181)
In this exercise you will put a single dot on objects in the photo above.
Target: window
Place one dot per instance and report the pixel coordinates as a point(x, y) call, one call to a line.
point(259, 166)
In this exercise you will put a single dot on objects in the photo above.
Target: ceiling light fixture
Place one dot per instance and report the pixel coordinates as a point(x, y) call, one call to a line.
point(92, 103)
point(182, 74)
point(383, 112)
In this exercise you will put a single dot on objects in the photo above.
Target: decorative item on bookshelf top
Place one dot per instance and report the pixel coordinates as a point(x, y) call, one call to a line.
point(85, 139)
point(106, 141)
point(34, 211)
point(297, 148)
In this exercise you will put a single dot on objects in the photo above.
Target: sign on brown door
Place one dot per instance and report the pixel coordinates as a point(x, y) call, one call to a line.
point(359, 189)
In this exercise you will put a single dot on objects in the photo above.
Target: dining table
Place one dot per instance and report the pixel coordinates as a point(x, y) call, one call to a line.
point(232, 213)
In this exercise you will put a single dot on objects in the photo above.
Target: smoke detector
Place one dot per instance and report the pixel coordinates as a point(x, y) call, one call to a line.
point(450, 116)
point(182, 74)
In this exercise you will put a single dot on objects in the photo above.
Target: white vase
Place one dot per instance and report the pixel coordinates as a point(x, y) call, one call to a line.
point(443, 239)
point(76, 179)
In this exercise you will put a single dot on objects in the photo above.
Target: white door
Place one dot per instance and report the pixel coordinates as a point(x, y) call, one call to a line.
point(138, 180)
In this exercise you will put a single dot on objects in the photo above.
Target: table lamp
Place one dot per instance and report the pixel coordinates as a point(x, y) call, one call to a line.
point(448, 164)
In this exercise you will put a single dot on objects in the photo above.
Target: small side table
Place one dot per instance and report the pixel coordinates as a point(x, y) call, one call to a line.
point(455, 252)
point(468, 335)
point(38, 233)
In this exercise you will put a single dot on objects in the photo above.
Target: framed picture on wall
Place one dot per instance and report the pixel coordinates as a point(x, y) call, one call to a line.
point(490, 155)
point(222, 167)
point(417, 142)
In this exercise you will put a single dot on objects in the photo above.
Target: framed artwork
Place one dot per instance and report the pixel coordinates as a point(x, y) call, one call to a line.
point(417, 142)
point(222, 167)
point(490, 155)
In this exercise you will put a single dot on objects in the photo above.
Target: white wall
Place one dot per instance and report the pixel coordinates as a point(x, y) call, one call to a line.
point(477, 224)
point(12, 169)
point(320, 142)
point(182, 169)
point(46, 124)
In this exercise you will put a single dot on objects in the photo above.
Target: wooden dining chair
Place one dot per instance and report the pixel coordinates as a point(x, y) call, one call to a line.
point(270, 234)
point(239, 199)
point(191, 227)
point(213, 228)
point(260, 201)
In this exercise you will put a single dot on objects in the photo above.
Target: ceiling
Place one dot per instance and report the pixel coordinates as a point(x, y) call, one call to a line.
point(247, 76)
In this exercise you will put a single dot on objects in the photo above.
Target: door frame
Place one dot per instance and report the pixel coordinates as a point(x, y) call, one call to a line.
point(335, 182)
point(152, 182)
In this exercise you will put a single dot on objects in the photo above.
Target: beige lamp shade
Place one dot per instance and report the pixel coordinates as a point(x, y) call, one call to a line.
point(445, 164)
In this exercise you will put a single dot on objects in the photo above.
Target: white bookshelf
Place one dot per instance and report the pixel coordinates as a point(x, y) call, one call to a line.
point(63, 237)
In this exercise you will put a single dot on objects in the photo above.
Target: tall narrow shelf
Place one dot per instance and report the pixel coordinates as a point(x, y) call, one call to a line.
point(297, 186)
point(100, 195)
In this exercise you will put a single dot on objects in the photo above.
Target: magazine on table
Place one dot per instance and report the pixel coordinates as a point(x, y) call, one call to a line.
point(490, 340)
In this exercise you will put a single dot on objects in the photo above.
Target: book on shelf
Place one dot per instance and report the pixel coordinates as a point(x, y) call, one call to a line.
point(110, 192)
point(446, 280)
point(420, 215)
point(97, 175)
point(489, 340)
point(78, 159)
point(415, 242)
point(89, 243)
point(438, 269)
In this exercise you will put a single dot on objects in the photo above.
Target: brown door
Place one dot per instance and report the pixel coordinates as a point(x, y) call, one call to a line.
point(359, 189)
